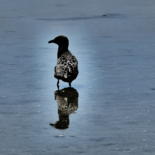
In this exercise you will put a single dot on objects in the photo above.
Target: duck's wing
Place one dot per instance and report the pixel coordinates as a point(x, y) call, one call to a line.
point(67, 65)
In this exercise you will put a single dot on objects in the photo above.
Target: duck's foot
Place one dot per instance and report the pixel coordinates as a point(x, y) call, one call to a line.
point(58, 84)
point(70, 84)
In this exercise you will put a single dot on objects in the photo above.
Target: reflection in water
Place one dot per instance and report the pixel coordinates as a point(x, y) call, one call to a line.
point(67, 100)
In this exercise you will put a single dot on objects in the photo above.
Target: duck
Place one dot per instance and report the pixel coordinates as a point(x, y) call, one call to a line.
point(66, 68)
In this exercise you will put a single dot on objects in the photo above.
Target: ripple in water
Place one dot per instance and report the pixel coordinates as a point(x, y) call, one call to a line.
point(104, 16)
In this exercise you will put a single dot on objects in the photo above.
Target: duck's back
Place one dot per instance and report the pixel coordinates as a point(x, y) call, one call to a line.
point(67, 67)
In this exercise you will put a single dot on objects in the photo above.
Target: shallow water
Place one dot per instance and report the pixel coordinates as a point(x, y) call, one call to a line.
point(116, 84)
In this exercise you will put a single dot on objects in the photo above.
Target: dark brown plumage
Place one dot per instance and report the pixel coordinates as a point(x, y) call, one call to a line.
point(66, 68)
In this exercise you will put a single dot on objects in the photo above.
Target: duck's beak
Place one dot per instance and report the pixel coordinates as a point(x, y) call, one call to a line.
point(51, 41)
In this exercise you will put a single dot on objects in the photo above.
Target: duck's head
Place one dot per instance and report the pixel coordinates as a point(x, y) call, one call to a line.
point(60, 41)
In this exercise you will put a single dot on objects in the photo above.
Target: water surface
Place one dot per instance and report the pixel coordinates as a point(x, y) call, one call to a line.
point(114, 43)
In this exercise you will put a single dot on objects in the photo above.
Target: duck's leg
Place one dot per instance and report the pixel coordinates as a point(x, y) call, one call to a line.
point(69, 84)
point(58, 84)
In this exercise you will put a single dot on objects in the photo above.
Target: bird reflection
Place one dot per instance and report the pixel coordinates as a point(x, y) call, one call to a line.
point(67, 100)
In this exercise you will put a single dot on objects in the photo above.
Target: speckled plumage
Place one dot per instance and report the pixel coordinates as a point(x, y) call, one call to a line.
point(67, 67)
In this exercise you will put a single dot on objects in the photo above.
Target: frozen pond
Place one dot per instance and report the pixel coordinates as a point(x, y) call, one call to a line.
point(113, 102)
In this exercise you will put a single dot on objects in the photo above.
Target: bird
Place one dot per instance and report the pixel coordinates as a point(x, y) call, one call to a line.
point(66, 68)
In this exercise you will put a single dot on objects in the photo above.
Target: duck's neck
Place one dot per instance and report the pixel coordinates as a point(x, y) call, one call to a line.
point(61, 50)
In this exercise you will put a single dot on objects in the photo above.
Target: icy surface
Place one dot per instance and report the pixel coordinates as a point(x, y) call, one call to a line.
point(114, 42)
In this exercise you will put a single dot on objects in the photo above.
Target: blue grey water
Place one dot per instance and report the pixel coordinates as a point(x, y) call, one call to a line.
point(114, 42)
